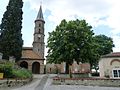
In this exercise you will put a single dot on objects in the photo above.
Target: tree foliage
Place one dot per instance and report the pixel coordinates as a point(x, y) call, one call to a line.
point(11, 38)
point(74, 40)
point(105, 44)
point(70, 41)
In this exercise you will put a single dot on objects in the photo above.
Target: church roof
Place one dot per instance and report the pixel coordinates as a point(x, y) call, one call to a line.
point(28, 53)
point(40, 14)
point(113, 54)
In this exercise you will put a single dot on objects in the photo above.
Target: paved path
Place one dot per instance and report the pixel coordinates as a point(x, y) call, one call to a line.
point(33, 84)
point(44, 82)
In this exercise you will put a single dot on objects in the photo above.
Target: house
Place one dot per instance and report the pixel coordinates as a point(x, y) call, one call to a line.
point(109, 65)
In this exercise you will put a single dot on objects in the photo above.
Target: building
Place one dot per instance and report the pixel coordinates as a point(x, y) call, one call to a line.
point(75, 68)
point(109, 65)
point(33, 57)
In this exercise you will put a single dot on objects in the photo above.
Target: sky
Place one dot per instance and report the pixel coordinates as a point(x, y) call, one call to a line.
point(102, 15)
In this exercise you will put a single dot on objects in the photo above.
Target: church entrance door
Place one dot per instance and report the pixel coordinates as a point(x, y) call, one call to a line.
point(36, 68)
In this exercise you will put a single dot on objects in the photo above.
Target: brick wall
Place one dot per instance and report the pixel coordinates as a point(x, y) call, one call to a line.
point(74, 68)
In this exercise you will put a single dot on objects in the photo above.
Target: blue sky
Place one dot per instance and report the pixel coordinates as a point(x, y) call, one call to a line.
point(103, 15)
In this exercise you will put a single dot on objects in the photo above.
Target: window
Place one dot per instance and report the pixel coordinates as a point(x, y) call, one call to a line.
point(119, 73)
point(39, 25)
point(116, 73)
point(39, 31)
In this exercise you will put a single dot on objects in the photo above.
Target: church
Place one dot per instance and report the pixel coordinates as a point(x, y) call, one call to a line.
point(33, 57)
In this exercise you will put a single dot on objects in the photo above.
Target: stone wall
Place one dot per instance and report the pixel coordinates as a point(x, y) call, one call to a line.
point(87, 81)
point(53, 68)
point(75, 75)
point(74, 68)
point(13, 82)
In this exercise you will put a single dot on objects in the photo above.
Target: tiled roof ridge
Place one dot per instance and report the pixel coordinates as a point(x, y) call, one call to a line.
point(112, 54)
point(27, 48)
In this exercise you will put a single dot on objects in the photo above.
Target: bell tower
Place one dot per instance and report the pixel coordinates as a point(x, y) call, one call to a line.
point(38, 43)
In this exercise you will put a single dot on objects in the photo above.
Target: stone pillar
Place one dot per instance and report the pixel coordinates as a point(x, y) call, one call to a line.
point(41, 69)
point(63, 67)
point(1, 56)
point(30, 67)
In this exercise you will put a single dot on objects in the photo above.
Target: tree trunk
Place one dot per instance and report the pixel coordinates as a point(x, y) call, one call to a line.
point(67, 68)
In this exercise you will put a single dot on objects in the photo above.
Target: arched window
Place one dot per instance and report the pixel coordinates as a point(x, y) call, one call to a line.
point(24, 64)
point(39, 25)
point(39, 31)
point(114, 60)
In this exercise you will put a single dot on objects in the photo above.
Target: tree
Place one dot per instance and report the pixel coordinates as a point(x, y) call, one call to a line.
point(103, 46)
point(71, 41)
point(11, 38)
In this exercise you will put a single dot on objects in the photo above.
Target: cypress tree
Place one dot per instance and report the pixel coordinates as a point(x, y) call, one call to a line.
point(10, 30)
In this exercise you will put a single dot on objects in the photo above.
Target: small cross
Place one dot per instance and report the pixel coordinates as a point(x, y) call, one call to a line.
point(41, 2)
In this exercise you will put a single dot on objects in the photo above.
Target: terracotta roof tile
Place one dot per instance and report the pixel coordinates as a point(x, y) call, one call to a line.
point(28, 53)
point(114, 54)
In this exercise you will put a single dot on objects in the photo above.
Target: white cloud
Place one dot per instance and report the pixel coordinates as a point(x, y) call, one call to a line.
point(117, 43)
point(114, 19)
point(91, 10)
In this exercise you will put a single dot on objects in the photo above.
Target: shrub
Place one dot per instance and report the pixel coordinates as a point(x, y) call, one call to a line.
point(11, 72)
point(22, 73)
point(6, 68)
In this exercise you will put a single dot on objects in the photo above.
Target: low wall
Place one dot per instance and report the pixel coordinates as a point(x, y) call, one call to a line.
point(87, 81)
point(75, 75)
point(13, 82)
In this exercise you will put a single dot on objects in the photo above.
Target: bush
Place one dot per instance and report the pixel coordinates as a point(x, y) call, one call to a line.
point(22, 73)
point(11, 72)
point(6, 68)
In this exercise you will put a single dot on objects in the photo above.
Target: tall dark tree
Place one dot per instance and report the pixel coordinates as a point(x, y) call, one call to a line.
point(11, 38)
point(70, 41)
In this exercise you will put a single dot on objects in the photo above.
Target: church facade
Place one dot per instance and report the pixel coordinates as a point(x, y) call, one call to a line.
point(33, 57)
